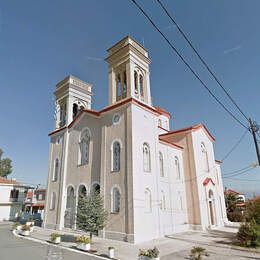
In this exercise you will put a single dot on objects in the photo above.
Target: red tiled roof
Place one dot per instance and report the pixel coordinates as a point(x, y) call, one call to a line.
point(190, 128)
point(230, 191)
point(218, 162)
point(207, 181)
point(98, 113)
point(162, 111)
point(7, 181)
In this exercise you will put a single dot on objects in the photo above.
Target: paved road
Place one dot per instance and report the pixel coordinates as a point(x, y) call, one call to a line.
point(12, 248)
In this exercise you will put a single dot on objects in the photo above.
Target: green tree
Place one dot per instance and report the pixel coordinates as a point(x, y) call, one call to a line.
point(253, 211)
point(5, 165)
point(231, 202)
point(91, 215)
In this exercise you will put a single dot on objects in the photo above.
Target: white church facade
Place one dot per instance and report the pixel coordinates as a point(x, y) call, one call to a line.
point(155, 181)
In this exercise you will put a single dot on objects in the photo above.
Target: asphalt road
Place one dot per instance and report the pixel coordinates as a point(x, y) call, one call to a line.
point(12, 248)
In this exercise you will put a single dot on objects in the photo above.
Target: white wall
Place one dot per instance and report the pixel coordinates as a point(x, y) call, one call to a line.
point(8, 209)
point(158, 222)
point(198, 137)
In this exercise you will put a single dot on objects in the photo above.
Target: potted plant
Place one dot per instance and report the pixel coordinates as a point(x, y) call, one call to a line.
point(150, 254)
point(30, 221)
point(25, 230)
point(83, 243)
point(111, 252)
point(55, 238)
point(17, 226)
point(198, 252)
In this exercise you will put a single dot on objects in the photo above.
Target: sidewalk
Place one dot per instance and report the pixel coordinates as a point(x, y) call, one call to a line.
point(169, 247)
point(123, 250)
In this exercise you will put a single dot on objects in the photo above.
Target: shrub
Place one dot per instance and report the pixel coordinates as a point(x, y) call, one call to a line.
point(235, 216)
point(248, 234)
point(152, 253)
point(198, 252)
point(253, 211)
point(83, 239)
point(15, 225)
point(54, 236)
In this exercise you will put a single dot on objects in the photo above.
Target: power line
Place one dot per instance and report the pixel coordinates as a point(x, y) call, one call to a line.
point(201, 58)
point(187, 65)
point(235, 146)
point(236, 174)
point(238, 179)
point(239, 170)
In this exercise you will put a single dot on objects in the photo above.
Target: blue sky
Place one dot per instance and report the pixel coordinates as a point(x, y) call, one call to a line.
point(43, 41)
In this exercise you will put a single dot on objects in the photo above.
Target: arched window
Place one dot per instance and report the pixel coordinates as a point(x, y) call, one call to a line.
point(205, 160)
point(115, 200)
point(146, 158)
point(160, 122)
point(141, 84)
point(177, 167)
point(147, 200)
point(75, 110)
point(84, 147)
point(124, 85)
point(161, 164)
point(136, 82)
point(96, 188)
point(116, 156)
point(70, 197)
point(55, 170)
point(53, 201)
point(163, 202)
point(82, 191)
point(118, 87)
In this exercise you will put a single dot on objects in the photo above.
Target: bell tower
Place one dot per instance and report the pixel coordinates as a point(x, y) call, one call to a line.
point(72, 95)
point(128, 64)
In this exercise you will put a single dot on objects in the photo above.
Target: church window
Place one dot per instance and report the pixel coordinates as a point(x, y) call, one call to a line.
point(118, 87)
point(205, 160)
point(116, 118)
point(116, 156)
point(136, 82)
point(95, 188)
point(70, 198)
point(146, 158)
point(53, 201)
point(161, 164)
point(56, 170)
point(147, 200)
point(141, 83)
point(75, 110)
point(62, 115)
point(84, 147)
point(177, 167)
point(82, 192)
point(115, 200)
point(124, 84)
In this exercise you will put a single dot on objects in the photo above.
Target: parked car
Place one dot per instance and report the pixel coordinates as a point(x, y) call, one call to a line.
point(36, 217)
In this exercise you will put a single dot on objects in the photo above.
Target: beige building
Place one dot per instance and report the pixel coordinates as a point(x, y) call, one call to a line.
point(155, 181)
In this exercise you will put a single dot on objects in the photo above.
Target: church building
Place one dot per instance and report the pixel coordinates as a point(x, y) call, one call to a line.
point(155, 181)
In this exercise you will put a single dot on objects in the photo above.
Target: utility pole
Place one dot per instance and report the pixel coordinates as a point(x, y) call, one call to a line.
point(254, 128)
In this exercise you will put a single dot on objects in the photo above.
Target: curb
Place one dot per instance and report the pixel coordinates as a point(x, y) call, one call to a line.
point(60, 246)
point(252, 250)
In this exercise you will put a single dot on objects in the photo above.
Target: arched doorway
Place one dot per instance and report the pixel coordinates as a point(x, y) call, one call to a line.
point(69, 216)
point(211, 208)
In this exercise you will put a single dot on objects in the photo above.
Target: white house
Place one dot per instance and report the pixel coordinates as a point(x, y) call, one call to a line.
point(155, 181)
point(12, 195)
